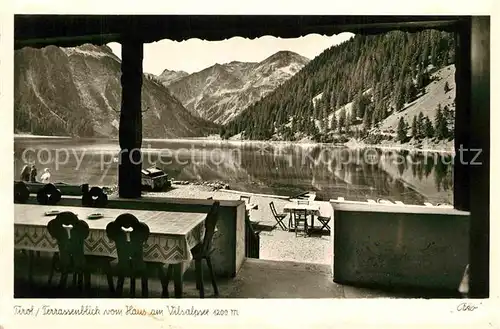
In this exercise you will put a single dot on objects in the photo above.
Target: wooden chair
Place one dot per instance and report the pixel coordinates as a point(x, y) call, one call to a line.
point(21, 192)
point(95, 197)
point(70, 234)
point(279, 217)
point(300, 216)
point(129, 236)
point(48, 194)
point(203, 251)
point(21, 195)
point(325, 222)
point(252, 238)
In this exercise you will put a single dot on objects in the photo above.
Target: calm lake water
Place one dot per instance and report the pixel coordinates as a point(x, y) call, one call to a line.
point(283, 169)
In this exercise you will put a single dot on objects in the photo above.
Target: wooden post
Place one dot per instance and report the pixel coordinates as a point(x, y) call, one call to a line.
point(130, 131)
point(480, 169)
point(461, 174)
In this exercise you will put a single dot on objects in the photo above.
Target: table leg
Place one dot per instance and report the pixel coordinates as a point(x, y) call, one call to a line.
point(177, 279)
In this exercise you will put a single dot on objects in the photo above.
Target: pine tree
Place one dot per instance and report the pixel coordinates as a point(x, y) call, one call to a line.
point(441, 129)
point(402, 130)
point(410, 91)
point(429, 129)
point(367, 120)
point(333, 122)
point(347, 122)
point(414, 128)
point(421, 125)
point(342, 119)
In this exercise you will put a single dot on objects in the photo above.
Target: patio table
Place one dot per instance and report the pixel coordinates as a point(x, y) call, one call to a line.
point(172, 234)
point(311, 209)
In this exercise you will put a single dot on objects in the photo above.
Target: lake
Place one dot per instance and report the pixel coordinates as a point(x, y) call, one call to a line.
point(270, 168)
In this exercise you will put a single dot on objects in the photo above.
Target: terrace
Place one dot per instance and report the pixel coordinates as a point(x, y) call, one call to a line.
point(377, 247)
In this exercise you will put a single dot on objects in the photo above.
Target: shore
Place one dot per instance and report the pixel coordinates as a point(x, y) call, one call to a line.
point(39, 136)
point(423, 146)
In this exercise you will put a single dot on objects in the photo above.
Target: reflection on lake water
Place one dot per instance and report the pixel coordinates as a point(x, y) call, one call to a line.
point(283, 169)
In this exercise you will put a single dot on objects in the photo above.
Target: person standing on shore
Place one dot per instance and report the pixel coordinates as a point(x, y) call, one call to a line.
point(33, 174)
point(45, 178)
point(25, 173)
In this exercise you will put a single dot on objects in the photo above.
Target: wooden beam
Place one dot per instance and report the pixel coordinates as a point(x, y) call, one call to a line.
point(31, 30)
point(461, 175)
point(130, 130)
point(479, 253)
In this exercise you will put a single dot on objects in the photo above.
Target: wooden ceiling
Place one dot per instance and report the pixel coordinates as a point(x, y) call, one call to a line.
point(74, 30)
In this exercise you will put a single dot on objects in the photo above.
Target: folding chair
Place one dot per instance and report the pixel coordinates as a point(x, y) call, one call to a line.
point(300, 216)
point(325, 221)
point(245, 198)
point(278, 216)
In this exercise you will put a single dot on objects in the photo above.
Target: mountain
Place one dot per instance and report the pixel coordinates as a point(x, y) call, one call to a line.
point(77, 92)
point(220, 92)
point(168, 77)
point(355, 89)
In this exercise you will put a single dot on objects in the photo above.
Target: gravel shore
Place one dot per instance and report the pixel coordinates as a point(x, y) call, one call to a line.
point(276, 244)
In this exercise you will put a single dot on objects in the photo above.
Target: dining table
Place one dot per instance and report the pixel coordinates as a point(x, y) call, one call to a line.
point(172, 234)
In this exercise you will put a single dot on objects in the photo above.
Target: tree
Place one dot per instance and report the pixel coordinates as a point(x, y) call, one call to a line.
point(342, 119)
point(367, 120)
point(429, 129)
point(441, 129)
point(421, 125)
point(414, 128)
point(402, 130)
point(410, 91)
point(348, 119)
point(333, 123)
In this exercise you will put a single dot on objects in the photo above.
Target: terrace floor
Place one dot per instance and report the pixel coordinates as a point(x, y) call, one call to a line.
point(256, 279)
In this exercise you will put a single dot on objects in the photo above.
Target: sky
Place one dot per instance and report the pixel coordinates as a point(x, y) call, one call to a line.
point(194, 55)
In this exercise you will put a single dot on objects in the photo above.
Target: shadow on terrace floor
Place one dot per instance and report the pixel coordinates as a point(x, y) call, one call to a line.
point(256, 279)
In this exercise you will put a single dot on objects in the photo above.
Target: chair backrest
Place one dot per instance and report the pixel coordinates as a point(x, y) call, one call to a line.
point(70, 234)
point(95, 197)
point(245, 198)
point(129, 236)
point(273, 208)
point(21, 192)
point(49, 194)
point(300, 214)
point(210, 223)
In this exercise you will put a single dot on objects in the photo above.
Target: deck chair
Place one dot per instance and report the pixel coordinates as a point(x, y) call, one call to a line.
point(279, 217)
point(300, 217)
